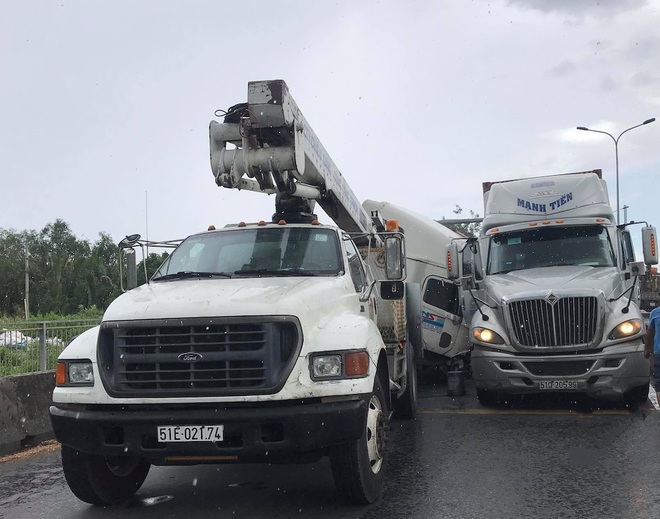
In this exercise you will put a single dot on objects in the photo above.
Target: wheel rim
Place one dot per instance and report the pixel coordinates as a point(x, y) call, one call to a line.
point(375, 434)
point(122, 466)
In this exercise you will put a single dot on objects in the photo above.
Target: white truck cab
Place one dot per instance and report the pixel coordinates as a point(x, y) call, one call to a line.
point(550, 291)
point(280, 341)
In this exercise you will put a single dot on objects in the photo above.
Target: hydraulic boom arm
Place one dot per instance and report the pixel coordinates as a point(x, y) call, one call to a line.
point(275, 148)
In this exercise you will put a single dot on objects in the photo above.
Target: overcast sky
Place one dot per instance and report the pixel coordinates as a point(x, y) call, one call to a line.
point(105, 105)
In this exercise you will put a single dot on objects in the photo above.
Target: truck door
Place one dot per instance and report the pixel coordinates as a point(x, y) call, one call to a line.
point(442, 331)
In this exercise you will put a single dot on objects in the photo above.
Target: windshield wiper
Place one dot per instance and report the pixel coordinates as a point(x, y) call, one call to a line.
point(187, 274)
point(275, 272)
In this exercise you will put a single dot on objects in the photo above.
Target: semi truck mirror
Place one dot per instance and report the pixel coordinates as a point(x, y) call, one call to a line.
point(452, 261)
point(637, 268)
point(393, 258)
point(391, 290)
point(649, 245)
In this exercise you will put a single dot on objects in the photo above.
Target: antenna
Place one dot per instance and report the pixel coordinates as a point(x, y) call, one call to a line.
point(146, 222)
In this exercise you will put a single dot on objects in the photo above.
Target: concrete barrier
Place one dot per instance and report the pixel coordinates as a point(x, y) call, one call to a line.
point(24, 403)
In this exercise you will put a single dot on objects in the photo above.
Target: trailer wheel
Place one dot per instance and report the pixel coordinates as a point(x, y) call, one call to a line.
point(406, 405)
point(358, 467)
point(103, 480)
point(637, 395)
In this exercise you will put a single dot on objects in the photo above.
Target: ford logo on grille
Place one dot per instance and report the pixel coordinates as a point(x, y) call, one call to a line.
point(191, 356)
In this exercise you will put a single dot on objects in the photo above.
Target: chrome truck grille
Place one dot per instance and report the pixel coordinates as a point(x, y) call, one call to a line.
point(198, 357)
point(550, 322)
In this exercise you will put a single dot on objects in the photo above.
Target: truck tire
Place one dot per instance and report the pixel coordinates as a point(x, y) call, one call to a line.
point(406, 405)
point(101, 480)
point(488, 398)
point(637, 395)
point(358, 467)
point(414, 317)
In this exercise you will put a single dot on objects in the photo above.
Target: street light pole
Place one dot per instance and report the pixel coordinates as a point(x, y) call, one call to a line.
point(616, 153)
point(26, 301)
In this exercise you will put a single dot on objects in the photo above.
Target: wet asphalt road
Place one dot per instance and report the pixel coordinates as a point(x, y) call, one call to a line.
point(536, 458)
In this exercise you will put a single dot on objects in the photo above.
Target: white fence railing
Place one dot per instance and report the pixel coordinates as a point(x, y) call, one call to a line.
point(30, 346)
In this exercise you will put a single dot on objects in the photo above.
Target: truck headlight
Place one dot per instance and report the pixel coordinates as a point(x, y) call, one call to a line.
point(74, 373)
point(487, 335)
point(338, 365)
point(326, 366)
point(628, 328)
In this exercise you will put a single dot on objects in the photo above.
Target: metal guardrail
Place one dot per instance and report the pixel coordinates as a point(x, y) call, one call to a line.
point(31, 346)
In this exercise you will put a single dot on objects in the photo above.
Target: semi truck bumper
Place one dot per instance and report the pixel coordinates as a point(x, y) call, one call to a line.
point(283, 433)
point(610, 373)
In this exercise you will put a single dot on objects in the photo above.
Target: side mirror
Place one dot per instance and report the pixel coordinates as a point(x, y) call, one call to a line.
point(391, 290)
point(649, 245)
point(129, 241)
point(467, 283)
point(127, 252)
point(637, 268)
point(131, 269)
point(452, 261)
point(394, 259)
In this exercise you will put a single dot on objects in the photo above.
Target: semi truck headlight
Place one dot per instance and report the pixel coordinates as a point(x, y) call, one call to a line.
point(337, 365)
point(487, 335)
point(74, 373)
point(625, 329)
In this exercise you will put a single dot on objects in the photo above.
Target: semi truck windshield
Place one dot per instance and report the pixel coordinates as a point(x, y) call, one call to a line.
point(587, 245)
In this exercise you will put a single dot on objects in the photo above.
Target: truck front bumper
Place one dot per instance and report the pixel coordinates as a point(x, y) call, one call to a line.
point(273, 433)
point(609, 373)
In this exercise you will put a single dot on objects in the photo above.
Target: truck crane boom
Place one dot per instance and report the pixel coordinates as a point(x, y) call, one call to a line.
point(276, 149)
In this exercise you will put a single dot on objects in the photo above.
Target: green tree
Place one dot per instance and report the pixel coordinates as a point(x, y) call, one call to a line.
point(66, 274)
point(469, 227)
point(57, 270)
point(12, 271)
point(104, 271)
point(153, 261)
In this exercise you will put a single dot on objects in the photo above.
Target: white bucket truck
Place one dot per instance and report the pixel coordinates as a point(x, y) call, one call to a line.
point(550, 293)
point(257, 342)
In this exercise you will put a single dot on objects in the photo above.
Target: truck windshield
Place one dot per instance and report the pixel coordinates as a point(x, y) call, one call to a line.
point(282, 251)
point(587, 245)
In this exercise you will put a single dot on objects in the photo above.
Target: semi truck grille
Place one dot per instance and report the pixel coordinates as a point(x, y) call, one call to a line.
point(567, 321)
point(198, 357)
